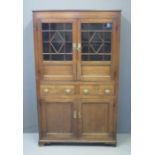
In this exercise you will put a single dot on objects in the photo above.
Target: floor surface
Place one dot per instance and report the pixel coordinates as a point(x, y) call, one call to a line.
point(31, 147)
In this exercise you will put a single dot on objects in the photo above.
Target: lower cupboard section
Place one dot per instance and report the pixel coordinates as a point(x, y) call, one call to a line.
point(83, 120)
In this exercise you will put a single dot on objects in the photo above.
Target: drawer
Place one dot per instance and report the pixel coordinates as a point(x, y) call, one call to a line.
point(57, 90)
point(86, 90)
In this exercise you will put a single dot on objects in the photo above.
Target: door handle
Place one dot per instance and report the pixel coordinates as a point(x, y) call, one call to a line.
point(75, 115)
point(74, 46)
point(79, 115)
point(79, 47)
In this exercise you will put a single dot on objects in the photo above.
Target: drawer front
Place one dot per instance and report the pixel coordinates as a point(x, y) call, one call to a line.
point(57, 90)
point(97, 90)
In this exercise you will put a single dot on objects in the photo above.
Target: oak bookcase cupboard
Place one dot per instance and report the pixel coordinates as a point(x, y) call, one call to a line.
point(77, 67)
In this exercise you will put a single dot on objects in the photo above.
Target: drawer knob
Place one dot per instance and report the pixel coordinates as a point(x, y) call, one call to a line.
point(68, 91)
point(86, 91)
point(107, 91)
point(46, 90)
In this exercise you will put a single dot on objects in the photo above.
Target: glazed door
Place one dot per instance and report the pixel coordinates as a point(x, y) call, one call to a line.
point(57, 57)
point(58, 119)
point(96, 49)
point(96, 119)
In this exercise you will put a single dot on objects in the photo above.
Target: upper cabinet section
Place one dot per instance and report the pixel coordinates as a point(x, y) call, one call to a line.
point(76, 46)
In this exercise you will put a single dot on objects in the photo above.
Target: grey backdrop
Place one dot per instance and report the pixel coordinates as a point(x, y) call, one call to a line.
point(29, 100)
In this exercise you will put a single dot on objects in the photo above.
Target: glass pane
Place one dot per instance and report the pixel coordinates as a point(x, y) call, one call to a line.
point(46, 57)
point(97, 26)
point(57, 57)
point(96, 57)
point(85, 57)
point(85, 36)
point(56, 26)
point(107, 47)
point(68, 36)
point(45, 36)
point(68, 48)
point(68, 57)
point(85, 48)
point(45, 26)
point(46, 47)
point(107, 36)
point(96, 41)
point(68, 26)
point(107, 57)
point(57, 47)
point(57, 41)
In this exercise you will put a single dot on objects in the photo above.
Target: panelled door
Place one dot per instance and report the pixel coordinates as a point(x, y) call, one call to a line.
point(58, 58)
point(96, 119)
point(96, 49)
point(58, 119)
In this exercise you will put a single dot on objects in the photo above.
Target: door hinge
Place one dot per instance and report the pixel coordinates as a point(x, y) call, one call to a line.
point(35, 27)
point(117, 26)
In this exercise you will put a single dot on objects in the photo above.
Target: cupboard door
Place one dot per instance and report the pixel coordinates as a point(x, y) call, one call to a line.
point(96, 119)
point(58, 120)
point(96, 49)
point(57, 56)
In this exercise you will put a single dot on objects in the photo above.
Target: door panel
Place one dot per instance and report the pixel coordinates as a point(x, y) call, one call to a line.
point(95, 72)
point(57, 119)
point(56, 49)
point(96, 49)
point(96, 118)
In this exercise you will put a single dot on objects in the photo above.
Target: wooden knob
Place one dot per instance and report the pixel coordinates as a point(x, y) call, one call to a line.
point(107, 91)
point(86, 91)
point(67, 91)
point(46, 90)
